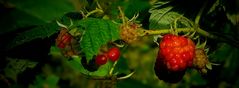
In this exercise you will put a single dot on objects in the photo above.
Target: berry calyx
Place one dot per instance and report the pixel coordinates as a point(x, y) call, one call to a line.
point(101, 59)
point(113, 54)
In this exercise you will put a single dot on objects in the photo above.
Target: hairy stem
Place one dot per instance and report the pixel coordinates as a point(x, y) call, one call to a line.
point(112, 68)
point(206, 34)
point(165, 31)
point(94, 11)
point(190, 29)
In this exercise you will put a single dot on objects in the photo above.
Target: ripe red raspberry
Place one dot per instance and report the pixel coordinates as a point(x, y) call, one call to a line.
point(176, 52)
point(101, 59)
point(164, 74)
point(113, 54)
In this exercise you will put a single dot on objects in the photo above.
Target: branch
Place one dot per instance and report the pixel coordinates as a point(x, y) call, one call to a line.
point(165, 31)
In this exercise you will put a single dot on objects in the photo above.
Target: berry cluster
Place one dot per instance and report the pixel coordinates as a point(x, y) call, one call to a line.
point(113, 54)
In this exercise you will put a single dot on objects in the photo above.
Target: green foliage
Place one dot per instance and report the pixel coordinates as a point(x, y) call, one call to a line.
point(98, 32)
point(45, 82)
point(131, 83)
point(16, 19)
point(42, 31)
point(16, 66)
point(44, 9)
point(227, 56)
point(164, 17)
point(131, 9)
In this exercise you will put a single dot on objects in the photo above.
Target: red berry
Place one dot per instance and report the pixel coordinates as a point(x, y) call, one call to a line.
point(61, 45)
point(101, 59)
point(63, 39)
point(113, 54)
point(66, 38)
point(164, 74)
point(177, 52)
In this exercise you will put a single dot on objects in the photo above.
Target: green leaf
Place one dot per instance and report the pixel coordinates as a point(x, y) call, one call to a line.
point(42, 31)
point(232, 18)
point(130, 8)
point(214, 6)
point(163, 15)
point(122, 66)
point(133, 8)
point(16, 66)
point(46, 10)
point(195, 79)
point(221, 54)
point(209, 66)
point(98, 32)
point(228, 56)
point(52, 81)
point(161, 18)
point(42, 82)
point(15, 19)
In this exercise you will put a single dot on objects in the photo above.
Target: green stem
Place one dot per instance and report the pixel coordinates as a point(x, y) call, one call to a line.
point(197, 19)
point(206, 34)
point(165, 31)
point(127, 76)
point(94, 11)
point(112, 68)
point(122, 15)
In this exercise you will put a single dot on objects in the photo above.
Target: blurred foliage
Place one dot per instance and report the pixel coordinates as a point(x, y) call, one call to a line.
point(43, 9)
point(25, 21)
